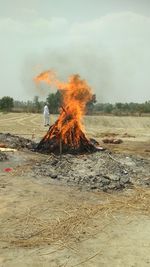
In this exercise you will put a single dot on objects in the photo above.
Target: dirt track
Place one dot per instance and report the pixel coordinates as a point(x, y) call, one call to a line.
point(45, 224)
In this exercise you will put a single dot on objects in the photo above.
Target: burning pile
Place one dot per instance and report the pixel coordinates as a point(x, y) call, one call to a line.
point(67, 133)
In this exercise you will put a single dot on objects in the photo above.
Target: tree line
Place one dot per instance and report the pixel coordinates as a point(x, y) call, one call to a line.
point(8, 104)
point(122, 108)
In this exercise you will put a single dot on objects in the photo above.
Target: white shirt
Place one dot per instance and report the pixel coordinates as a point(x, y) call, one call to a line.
point(46, 110)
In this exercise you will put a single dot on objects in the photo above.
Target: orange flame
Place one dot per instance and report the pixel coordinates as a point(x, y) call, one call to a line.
point(75, 95)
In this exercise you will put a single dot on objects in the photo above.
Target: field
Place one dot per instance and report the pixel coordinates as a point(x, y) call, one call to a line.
point(45, 223)
point(135, 130)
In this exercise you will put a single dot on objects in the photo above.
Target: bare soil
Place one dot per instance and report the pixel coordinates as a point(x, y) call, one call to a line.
point(47, 222)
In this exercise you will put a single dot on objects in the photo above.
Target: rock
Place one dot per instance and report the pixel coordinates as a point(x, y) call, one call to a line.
point(114, 177)
point(53, 175)
point(105, 188)
point(105, 181)
point(124, 180)
point(3, 156)
point(60, 177)
point(37, 164)
point(54, 162)
point(112, 186)
point(147, 182)
point(94, 179)
point(93, 187)
point(124, 172)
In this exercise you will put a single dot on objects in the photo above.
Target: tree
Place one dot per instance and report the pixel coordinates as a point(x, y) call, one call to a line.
point(146, 107)
point(54, 101)
point(90, 104)
point(36, 104)
point(6, 103)
point(108, 108)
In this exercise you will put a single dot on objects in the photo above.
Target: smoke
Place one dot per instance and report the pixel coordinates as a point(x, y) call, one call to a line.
point(111, 53)
point(93, 67)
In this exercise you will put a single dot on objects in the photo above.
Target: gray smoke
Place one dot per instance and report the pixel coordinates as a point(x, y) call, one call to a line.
point(112, 53)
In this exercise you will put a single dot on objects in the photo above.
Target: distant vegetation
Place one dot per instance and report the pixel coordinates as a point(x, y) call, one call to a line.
point(8, 104)
point(122, 108)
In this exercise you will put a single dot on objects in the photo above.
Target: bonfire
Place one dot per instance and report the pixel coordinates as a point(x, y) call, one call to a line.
point(67, 134)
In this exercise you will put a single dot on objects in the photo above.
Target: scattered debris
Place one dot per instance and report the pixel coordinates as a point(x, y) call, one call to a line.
point(3, 156)
point(128, 135)
point(2, 145)
point(8, 169)
point(112, 141)
point(106, 134)
point(7, 149)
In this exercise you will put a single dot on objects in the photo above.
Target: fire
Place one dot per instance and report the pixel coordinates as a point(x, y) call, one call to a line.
point(68, 129)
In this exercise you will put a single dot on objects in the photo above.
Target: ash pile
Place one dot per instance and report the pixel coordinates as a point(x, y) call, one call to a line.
point(17, 142)
point(101, 170)
point(96, 171)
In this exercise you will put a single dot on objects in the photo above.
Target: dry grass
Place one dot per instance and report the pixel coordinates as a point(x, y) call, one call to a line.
point(30, 229)
point(32, 124)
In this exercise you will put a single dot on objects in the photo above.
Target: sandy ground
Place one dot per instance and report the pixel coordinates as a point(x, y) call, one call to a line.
point(45, 224)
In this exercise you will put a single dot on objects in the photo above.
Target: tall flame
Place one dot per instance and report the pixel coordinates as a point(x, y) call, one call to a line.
point(75, 95)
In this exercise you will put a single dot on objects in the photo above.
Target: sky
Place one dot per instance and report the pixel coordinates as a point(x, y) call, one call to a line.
point(106, 42)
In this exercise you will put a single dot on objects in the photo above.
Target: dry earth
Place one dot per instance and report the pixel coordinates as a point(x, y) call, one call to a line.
point(45, 223)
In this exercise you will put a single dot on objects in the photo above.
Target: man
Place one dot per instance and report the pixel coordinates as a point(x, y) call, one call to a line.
point(46, 115)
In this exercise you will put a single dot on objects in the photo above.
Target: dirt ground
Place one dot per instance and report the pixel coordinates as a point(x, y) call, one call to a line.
point(43, 223)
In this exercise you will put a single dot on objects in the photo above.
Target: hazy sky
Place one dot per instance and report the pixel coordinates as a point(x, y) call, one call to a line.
point(106, 42)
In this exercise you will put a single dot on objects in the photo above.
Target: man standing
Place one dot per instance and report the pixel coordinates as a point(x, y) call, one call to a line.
point(46, 115)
